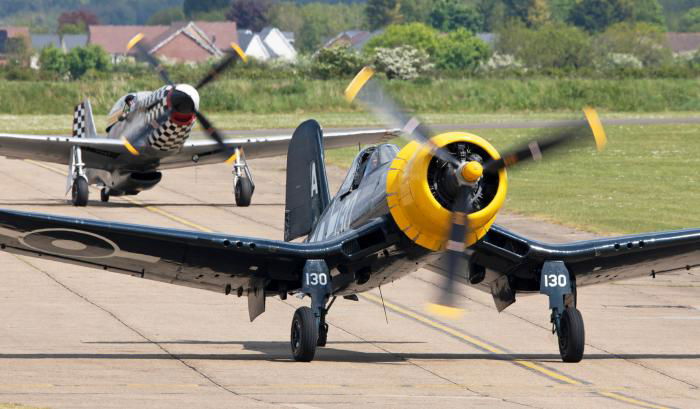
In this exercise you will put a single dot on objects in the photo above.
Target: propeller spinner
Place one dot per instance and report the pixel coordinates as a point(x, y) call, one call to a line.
point(188, 95)
point(463, 174)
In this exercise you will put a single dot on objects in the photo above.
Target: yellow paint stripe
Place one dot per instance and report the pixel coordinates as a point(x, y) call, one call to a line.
point(135, 40)
point(627, 399)
point(129, 146)
point(239, 51)
point(232, 158)
point(357, 83)
point(471, 340)
point(597, 127)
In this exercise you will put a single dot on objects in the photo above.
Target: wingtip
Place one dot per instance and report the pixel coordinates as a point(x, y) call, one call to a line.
point(135, 40)
point(444, 311)
point(596, 125)
point(358, 82)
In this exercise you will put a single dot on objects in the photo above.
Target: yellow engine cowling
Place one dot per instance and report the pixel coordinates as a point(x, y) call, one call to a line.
point(415, 208)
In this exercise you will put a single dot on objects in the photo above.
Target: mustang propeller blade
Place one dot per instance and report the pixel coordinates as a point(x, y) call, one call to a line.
point(219, 68)
point(466, 174)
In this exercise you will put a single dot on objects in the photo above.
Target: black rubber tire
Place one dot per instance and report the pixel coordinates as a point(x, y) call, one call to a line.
point(80, 192)
point(572, 337)
point(304, 335)
point(322, 335)
point(104, 195)
point(243, 191)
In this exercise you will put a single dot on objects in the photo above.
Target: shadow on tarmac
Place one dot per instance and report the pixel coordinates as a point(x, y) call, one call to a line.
point(280, 352)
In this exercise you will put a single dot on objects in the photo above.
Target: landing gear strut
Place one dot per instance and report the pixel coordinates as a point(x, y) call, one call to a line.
point(77, 180)
point(567, 321)
point(309, 327)
point(104, 194)
point(243, 185)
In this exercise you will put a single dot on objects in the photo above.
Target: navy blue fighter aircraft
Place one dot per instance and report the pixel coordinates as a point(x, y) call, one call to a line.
point(431, 204)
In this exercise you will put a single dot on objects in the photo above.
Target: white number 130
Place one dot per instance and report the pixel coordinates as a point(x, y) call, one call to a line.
point(316, 279)
point(555, 280)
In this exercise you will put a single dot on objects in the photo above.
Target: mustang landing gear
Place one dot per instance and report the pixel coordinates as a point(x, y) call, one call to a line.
point(80, 192)
point(309, 327)
point(104, 194)
point(77, 182)
point(243, 185)
point(566, 320)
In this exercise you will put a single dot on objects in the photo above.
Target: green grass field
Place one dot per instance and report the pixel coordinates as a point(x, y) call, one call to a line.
point(647, 179)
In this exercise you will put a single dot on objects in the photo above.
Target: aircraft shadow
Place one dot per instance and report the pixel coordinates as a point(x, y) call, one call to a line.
point(276, 351)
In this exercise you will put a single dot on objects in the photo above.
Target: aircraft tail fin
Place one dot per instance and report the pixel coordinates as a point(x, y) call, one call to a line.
point(307, 193)
point(83, 122)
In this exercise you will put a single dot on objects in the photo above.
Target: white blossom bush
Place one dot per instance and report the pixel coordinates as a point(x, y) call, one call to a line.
point(501, 62)
point(404, 62)
point(622, 60)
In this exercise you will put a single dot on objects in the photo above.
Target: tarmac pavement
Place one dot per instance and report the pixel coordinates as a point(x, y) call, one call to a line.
point(73, 337)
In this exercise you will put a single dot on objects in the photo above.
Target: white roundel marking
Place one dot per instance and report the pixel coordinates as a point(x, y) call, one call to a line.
point(69, 245)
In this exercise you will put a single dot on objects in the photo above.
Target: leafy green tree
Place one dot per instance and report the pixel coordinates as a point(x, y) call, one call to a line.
point(404, 62)
point(166, 16)
point(449, 15)
point(417, 35)
point(337, 62)
point(76, 22)
point(414, 11)
point(560, 9)
point(460, 50)
point(323, 21)
point(192, 8)
point(381, 13)
point(552, 47)
point(82, 59)
point(286, 16)
point(690, 22)
point(53, 60)
point(250, 14)
point(597, 15)
point(493, 12)
point(645, 41)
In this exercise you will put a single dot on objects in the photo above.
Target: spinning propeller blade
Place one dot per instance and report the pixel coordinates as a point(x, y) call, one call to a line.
point(219, 68)
point(466, 174)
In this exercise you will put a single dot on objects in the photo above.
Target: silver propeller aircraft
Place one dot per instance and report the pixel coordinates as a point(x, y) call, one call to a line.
point(147, 132)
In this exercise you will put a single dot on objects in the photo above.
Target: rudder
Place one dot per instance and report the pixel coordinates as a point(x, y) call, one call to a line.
point(83, 122)
point(307, 193)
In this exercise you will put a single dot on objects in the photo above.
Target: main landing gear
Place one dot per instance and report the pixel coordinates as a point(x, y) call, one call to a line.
point(243, 185)
point(566, 319)
point(77, 180)
point(309, 327)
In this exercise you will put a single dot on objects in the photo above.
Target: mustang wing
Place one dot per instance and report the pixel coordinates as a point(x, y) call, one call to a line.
point(97, 152)
point(215, 262)
point(204, 151)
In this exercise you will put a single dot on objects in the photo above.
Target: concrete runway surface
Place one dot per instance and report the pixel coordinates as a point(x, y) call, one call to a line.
point(72, 337)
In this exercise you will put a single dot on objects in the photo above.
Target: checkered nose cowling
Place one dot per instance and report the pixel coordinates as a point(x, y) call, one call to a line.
point(170, 135)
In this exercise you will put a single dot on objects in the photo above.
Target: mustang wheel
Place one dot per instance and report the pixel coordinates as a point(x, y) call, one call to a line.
point(80, 192)
point(104, 194)
point(572, 336)
point(304, 335)
point(243, 191)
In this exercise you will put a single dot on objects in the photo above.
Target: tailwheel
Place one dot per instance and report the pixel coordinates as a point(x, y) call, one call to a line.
point(243, 191)
point(104, 194)
point(571, 334)
point(304, 335)
point(80, 192)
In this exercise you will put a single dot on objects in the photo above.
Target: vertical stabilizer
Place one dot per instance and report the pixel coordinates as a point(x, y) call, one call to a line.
point(83, 122)
point(307, 184)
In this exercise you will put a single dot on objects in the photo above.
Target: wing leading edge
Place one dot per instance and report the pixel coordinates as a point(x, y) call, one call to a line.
point(216, 262)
